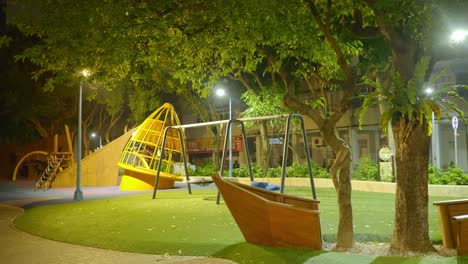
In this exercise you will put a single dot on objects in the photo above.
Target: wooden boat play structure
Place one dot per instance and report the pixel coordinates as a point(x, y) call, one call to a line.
point(272, 219)
point(140, 158)
point(268, 218)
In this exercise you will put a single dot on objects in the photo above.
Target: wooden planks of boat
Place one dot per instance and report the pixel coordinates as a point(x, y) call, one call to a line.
point(272, 219)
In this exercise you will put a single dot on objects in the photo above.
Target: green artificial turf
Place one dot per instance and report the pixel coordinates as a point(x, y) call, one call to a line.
point(177, 223)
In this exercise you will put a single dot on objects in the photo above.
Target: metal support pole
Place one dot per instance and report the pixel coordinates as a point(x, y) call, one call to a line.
point(230, 137)
point(456, 147)
point(246, 150)
point(161, 156)
point(78, 195)
point(285, 154)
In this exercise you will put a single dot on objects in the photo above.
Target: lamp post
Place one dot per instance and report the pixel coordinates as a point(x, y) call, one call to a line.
point(78, 195)
point(434, 135)
point(93, 135)
point(221, 92)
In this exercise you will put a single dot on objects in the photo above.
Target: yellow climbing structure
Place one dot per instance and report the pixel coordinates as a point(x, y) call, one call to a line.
point(140, 157)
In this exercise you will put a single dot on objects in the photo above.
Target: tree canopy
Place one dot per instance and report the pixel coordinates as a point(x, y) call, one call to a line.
point(315, 55)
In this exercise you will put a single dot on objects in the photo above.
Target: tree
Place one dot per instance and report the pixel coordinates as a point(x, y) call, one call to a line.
point(407, 30)
point(114, 42)
point(283, 49)
point(336, 48)
point(266, 102)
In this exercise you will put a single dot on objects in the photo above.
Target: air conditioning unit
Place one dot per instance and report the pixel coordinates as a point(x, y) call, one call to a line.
point(317, 142)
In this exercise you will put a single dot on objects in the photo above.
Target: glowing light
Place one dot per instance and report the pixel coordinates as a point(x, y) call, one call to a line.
point(458, 35)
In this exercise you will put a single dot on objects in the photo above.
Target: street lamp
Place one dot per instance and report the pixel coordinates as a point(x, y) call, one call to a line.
point(458, 36)
point(221, 92)
point(434, 133)
point(78, 195)
point(93, 135)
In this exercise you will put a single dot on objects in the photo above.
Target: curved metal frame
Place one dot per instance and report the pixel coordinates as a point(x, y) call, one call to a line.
point(246, 148)
point(285, 153)
point(161, 155)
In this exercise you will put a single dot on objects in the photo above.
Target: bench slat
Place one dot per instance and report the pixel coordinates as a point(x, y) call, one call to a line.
point(458, 201)
point(461, 217)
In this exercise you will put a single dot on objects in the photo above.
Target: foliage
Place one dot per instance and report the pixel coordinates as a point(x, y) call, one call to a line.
point(243, 171)
point(366, 170)
point(295, 170)
point(409, 101)
point(206, 169)
point(117, 42)
point(5, 41)
point(452, 176)
point(268, 101)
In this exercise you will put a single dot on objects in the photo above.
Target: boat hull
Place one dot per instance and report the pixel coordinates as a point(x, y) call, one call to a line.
point(272, 219)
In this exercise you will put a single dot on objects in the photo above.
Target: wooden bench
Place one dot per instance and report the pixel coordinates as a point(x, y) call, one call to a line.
point(453, 216)
point(461, 221)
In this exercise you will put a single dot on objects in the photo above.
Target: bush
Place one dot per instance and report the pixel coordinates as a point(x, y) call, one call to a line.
point(365, 170)
point(274, 172)
point(206, 169)
point(319, 172)
point(453, 176)
point(296, 170)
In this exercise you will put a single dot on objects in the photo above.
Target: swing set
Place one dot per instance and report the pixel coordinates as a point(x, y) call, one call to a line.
point(280, 219)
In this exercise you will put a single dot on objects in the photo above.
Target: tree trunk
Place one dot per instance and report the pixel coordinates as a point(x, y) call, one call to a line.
point(410, 232)
point(340, 173)
point(113, 121)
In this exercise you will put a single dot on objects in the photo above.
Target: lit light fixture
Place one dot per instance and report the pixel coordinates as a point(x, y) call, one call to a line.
point(458, 35)
point(429, 90)
point(85, 73)
point(93, 135)
point(220, 92)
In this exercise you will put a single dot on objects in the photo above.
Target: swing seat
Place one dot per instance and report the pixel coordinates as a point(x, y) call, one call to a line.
point(272, 187)
point(261, 185)
point(265, 185)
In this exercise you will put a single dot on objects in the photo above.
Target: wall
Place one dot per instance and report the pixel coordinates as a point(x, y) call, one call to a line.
point(367, 186)
point(98, 169)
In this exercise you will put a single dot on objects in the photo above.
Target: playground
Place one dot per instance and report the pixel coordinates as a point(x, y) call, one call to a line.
point(266, 223)
point(182, 224)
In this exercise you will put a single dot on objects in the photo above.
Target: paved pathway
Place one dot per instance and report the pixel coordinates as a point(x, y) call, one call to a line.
point(20, 247)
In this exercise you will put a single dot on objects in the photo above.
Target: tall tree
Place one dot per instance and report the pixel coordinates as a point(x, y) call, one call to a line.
point(281, 44)
point(408, 29)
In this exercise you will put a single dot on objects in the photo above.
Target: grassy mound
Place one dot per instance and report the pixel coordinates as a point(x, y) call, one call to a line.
point(177, 223)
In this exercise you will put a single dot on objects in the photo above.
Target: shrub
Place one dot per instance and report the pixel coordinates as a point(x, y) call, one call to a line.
point(452, 176)
point(434, 174)
point(274, 172)
point(319, 172)
point(296, 170)
point(206, 169)
point(365, 170)
point(243, 171)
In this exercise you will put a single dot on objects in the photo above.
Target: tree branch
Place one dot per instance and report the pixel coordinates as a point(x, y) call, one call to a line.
point(363, 32)
point(341, 59)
